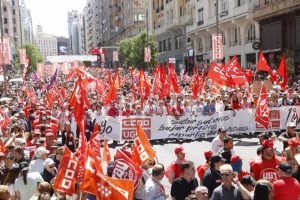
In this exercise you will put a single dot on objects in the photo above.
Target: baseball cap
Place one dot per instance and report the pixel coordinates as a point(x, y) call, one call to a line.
point(248, 180)
point(48, 162)
point(285, 167)
point(40, 151)
point(291, 124)
point(222, 129)
point(268, 144)
point(235, 158)
point(23, 166)
point(216, 158)
point(208, 154)
point(179, 149)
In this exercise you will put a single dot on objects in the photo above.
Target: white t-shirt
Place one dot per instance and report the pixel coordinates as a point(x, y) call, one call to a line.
point(36, 166)
point(216, 144)
point(26, 191)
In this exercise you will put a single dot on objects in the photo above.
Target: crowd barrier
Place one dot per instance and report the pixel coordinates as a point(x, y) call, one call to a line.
point(194, 127)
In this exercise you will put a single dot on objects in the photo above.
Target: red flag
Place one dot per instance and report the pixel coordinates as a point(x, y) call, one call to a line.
point(249, 75)
point(68, 172)
point(111, 96)
point(234, 70)
point(106, 153)
point(109, 78)
point(132, 85)
point(103, 187)
point(95, 142)
point(173, 78)
point(86, 78)
point(82, 144)
point(282, 71)
point(157, 85)
point(195, 82)
point(78, 101)
point(63, 92)
point(262, 115)
point(125, 168)
point(163, 74)
point(142, 150)
point(262, 63)
point(2, 148)
point(71, 74)
point(117, 79)
point(144, 87)
point(218, 74)
point(100, 87)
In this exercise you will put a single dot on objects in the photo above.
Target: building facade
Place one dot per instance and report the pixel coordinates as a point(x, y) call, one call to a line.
point(47, 44)
point(236, 24)
point(168, 20)
point(279, 23)
point(73, 27)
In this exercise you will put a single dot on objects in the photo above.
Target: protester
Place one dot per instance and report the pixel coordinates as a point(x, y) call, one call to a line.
point(153, 189)
point(218, 142)
point(249, 183)
point(291, 151)
point(201, 193)
point(174, 170)
point(139, 192)
point(201, 169)
point(212, 177)
point(237, 165)
point(226, 151)
point(228, 190)
point(186, 184)
point(49, 171)
point(264, 167)
point(68, 137)
point(43, 187)
point(290, 133)
point(4, 193)
point(263, 190)
point(37, 165)
point(286, 187)
point(27, 182)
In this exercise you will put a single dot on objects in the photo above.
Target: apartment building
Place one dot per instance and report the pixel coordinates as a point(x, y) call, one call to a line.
point(47, 44)
point(236, 24)
point(279, 23)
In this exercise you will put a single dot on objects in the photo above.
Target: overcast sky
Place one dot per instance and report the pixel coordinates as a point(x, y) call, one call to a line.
point(53, 14)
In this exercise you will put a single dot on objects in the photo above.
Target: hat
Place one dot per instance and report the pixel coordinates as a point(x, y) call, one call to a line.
point(57, 144)
point(268, 144)
point(179, 149)
point(40, 151)
point(222, 129)
point(294, 142)
point(216, 158)
point(248, 180)
point(49, 133)
point(208, 154)
point(291, 124)
point(48, 162)
point(285, 167)
point(235, 158)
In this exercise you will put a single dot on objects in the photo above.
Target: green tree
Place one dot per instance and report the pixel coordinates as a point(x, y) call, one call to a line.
point(34, 55)
point(132, 50)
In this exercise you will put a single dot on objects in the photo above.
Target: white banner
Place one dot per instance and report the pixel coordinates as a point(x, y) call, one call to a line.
point(72, 58)
point(217, 46)
point(157, 127)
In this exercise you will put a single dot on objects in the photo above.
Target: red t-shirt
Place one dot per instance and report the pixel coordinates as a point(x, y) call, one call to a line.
point(242, 174)
point(266, 169)
point(174, 169)
point(286, 188)
point(113, 112)
point(127, 112)
point(177, 111)
point(201, 169)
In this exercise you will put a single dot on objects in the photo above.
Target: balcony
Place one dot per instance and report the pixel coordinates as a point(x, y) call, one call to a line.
point(267, 10)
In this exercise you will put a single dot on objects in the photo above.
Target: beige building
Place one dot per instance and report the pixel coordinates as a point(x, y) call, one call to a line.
point(47, 44)
point(236, 24)
point(168, 20)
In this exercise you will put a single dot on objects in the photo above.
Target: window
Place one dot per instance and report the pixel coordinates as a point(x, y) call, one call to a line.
point(164, 45)
point(5, 20)
point(14, 20)
point(15, 29)
point(178, 42)
point(14, 11)
point(4, 9)
point(224, 5)
point(6, 31)
point(160, 46)
point(200, 16)
point(169, 44)
point(13, 3)
point(251, 33)
point(236, 39)
point(200, 45)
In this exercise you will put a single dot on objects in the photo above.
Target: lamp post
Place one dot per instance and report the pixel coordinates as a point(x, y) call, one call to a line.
point(2, 50)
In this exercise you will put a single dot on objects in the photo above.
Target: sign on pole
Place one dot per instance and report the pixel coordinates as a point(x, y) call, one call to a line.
point(147, 54)
point(115, 56)
point(217, 46)
point(5, 51)
point(172, 60)
point(22, 56)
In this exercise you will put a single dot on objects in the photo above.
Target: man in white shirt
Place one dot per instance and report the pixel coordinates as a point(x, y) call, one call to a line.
point(217, 144)
point(154, 190)
point(197, 108)
point(38, 164)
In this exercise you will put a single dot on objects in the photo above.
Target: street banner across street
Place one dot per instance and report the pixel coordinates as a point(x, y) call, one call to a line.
point(167, 127)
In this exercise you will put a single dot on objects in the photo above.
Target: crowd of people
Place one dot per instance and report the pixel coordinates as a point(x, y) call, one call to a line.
point(32, 146)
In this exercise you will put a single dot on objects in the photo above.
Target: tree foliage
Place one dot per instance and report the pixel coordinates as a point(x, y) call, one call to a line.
point(132, 50)
point(34, 55)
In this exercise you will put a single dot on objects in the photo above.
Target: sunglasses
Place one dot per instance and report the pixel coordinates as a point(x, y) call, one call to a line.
point(225, 174)
point(51, 166)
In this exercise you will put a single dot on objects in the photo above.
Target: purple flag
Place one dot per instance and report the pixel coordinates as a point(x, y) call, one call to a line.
point(53, 79)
